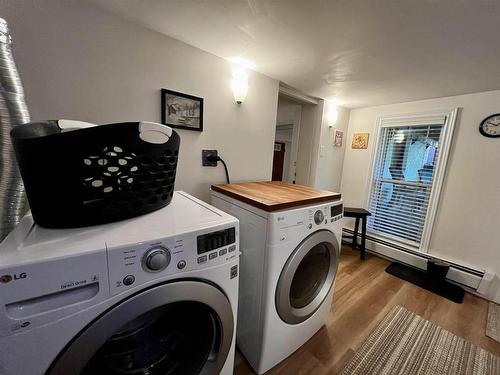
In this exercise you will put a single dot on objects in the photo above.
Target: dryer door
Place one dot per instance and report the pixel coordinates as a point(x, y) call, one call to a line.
point(183, 327)
point(307, 277)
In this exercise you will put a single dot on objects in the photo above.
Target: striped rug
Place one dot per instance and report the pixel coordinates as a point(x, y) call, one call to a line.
point(493, 322)
point(406, 344)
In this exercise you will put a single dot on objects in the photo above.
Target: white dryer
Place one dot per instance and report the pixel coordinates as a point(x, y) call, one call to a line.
point(288, 266)
point(155, 294)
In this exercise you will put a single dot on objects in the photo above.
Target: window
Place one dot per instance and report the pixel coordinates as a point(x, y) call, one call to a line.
point(407, 176)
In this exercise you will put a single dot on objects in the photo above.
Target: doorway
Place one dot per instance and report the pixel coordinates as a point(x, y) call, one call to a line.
point(298, 124)
point(278, 161)
point(286, 142)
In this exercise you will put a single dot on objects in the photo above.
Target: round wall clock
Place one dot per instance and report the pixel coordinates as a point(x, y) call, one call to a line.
point(490, 126)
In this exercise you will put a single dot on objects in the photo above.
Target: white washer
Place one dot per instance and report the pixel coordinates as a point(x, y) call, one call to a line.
point(287, 270)
point(154, 294)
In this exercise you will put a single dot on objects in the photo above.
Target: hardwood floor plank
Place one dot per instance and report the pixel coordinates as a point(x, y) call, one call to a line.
point(364, 294)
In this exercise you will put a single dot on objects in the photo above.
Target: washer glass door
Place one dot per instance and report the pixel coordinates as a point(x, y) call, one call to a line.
point(307, 277)
point(177, 338)
point(184, 327)
point(310, 276)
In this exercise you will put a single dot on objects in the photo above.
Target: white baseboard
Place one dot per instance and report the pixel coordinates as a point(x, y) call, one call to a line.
point(481, 283)
point(454, 274)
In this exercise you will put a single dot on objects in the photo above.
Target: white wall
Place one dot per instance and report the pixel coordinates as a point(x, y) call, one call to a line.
point(468, 215)
point(319, 162)
point(79, 62)
point(309, 137)
point(331, 158)
point(284, 133)
point(287, 111)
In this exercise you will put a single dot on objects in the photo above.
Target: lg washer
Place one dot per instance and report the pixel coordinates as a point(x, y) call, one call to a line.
point(155, 294)
point(289, 261)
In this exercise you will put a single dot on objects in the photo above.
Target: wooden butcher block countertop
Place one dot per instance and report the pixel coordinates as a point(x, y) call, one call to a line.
point(275, 195)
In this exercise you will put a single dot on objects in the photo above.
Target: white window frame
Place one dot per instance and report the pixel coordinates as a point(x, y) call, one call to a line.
point(446, 141)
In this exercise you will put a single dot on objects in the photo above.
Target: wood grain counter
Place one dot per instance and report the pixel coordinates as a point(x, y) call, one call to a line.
point(275, 195)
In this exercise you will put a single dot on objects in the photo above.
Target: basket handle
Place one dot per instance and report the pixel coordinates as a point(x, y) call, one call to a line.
point(153, 132)
point(66, 125)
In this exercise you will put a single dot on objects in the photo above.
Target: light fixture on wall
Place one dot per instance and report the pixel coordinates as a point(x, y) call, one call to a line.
point(239, 83)
point(332, 113)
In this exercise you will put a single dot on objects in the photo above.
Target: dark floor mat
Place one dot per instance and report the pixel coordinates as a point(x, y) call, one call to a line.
point(421, 278)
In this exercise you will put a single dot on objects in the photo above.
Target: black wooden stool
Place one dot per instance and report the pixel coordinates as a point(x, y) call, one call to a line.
point(358, 213)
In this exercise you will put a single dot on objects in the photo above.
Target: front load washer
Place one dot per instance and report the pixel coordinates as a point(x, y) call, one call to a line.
point(155, 294)
point(289, 260)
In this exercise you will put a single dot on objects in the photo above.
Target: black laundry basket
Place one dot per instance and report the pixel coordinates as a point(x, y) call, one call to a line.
point(97, 174)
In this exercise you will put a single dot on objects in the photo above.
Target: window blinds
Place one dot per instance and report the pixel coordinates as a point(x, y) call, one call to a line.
point(403, 176)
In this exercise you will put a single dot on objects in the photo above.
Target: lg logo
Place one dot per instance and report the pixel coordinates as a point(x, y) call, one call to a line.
point(8, 278)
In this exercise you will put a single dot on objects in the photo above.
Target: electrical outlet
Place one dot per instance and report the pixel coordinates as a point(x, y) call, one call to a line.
point(205, 154)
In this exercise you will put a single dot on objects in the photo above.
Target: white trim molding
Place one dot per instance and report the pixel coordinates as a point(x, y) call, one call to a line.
point(448, 119)
point(481, 282)
point(296, 95)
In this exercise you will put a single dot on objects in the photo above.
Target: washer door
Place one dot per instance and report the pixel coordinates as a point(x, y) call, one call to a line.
point(307, 277)
point(184, 327)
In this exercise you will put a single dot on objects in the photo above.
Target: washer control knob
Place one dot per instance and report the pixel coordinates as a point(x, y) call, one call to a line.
point(156, 259)
point(319, 217)
point(128, 280)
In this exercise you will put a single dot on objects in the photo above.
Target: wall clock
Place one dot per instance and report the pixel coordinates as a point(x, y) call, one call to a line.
point(490, 126)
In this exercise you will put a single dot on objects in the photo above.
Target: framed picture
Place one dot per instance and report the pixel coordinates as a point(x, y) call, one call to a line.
point(339, 136)
point(181, 111)
point(360, 140)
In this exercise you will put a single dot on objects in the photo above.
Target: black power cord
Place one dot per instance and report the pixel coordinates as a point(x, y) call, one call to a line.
point(214, 158)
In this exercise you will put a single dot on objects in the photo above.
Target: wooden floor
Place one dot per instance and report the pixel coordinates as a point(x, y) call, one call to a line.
point(364, 294)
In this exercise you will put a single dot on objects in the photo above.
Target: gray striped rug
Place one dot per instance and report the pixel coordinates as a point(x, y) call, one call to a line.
point(405, 343)
point(493, 322)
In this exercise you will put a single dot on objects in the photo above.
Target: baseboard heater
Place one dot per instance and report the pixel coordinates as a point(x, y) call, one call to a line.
point(462, 275)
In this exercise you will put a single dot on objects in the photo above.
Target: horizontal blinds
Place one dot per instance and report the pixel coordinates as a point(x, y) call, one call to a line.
point(402, 181)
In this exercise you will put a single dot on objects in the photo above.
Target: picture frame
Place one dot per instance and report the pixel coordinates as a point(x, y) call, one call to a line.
point(338, 138)
point(181, 111)
point(360, 140)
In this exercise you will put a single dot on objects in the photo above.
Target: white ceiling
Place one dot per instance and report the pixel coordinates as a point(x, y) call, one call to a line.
point(362, 52)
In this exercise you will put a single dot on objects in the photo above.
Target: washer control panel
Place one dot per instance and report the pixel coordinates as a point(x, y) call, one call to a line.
point(326, 214)
point(289, 224)
point(136, 264)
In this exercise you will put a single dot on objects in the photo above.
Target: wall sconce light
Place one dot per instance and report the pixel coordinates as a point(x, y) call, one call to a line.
point(239, 84)
point(332, 114)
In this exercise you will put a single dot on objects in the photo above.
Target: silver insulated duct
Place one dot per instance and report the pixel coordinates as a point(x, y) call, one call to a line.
point(13, 111)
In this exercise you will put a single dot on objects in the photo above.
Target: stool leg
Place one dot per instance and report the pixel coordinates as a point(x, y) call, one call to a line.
point(355, 234)
point(363, 238)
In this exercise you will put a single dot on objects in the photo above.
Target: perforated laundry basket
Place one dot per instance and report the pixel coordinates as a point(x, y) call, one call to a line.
point(76, 174)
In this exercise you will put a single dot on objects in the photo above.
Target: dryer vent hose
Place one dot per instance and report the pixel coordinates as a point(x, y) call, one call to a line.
point(13, 112)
